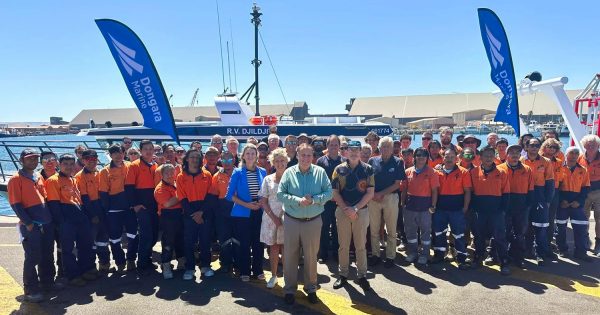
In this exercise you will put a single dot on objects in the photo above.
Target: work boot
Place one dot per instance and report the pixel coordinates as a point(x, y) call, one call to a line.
point(374, 260)
point(181, 263)
point(340, 282)
point(166, 271)
point(121, 269)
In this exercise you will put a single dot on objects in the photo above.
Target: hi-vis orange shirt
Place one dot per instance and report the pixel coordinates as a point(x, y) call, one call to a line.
point(556, 167)
point(26, 197)
point(452, 188)
point(219, 184)
point(192, 190)
point(64, 198)
point(163, 193)
point(575, 184)
point(88, 183)
point(490, 189)
point(141, 174)
point(520, 178)
point(112, 187)
point(541, 168)
point(593, 168)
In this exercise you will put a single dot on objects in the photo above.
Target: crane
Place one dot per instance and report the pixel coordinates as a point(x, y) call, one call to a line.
point(194, 100)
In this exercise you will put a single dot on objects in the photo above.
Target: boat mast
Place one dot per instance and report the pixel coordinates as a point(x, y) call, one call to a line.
point(256, 62)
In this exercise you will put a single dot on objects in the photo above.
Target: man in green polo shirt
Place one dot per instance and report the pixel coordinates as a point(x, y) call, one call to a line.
point(353, 185)
point(303, 189)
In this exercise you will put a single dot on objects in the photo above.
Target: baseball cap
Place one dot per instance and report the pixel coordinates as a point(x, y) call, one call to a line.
point(29, 152)
point(513, 147)
point(88, 153)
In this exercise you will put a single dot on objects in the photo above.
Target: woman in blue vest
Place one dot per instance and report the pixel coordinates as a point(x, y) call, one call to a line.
point(247, 214)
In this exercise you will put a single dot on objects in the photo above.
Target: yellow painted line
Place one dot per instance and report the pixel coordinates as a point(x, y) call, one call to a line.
point(560, 282)
point(331, 303)
point(9, 291)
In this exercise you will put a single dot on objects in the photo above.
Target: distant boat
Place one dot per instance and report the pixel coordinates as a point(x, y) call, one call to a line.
point(507, 130)
point(534, 128)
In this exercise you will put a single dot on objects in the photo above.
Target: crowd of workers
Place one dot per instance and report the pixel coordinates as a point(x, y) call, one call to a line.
point(307, 199)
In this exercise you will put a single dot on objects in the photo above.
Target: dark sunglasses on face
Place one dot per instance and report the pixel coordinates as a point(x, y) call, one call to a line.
point(291, 142)
point(534, 145)
point(318, 143)
point(49, 159)
point(426, 138)
point(134, 153)
point(180, 151)
point(216, 142)
point(343, 148)
point(126, 142)
point(227, 161)
point(468, 156)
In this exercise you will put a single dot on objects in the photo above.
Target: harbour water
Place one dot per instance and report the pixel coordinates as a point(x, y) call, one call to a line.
point(5, 207)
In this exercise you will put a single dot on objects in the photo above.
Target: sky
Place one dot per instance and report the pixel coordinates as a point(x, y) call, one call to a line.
point(55, 62)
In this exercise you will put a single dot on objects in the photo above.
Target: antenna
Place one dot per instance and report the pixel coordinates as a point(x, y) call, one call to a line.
point(221, 46)
point(228, 66)
point(233, 56)
point(256, 62)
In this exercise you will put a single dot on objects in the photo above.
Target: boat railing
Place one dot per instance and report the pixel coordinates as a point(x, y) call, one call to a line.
point(10, 151)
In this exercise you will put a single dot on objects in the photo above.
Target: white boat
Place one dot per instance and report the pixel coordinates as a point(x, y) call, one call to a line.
point(507, 130)
point(534, 128)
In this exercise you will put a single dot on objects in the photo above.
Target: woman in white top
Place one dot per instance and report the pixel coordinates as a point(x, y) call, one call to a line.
point(271, 230)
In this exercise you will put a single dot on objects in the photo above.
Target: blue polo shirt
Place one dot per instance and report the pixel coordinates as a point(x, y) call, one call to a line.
point(329, 164)
point(386, 174)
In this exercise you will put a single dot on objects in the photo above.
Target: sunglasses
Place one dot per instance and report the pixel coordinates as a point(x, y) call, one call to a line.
point(52, 159)
point(318, 143)
point(534, 145)
point(227, 161)
point(291, 142)
point(343, 148)
point(180, 151)
point(216, 142)
point(468, 156)
point(134, 153)
point(469, 142)
point(126, 142)
point(427, 138)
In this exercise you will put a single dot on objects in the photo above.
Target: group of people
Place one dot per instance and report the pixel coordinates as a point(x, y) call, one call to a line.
point(306, 199)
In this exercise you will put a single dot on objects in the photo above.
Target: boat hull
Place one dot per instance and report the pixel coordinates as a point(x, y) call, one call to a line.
point(205, 132)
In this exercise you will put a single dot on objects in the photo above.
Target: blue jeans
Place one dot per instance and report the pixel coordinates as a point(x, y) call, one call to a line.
point(251, 251)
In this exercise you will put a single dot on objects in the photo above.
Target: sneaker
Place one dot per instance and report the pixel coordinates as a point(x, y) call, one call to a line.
point(374, 260)
point(490, 260)
point(289, 298)
point(245, 278)
point(166, 271)
point(77, 282)
point(207, 271)
point(340, 282)
point(583, 257)
point(188, 275)
point(423, 260)
point(364, 284)
point(312, 298)
point(322, 260)
point(389, 263)
point(411, 258)
point(504, 270)
point(34, 298)
point(272, 282)
point(131, 267)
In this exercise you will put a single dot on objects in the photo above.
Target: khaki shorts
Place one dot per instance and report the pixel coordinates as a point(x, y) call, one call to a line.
point(592, 202)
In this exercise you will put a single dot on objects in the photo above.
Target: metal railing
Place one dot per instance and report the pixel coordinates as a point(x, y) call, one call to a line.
point(10, 151)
